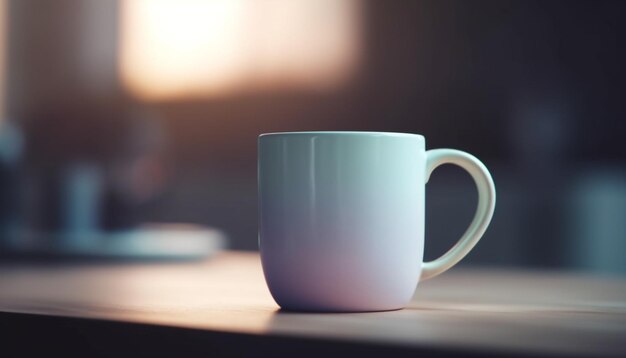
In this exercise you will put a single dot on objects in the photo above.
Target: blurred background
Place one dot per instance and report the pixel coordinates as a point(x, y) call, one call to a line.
point(115, 114)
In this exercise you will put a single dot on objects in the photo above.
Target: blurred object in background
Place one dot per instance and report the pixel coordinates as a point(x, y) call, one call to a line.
point(597, 213)
point(87, 177)
point(11, 147)
point(147, 242)
point(539, 137)
point(92, 159)
point(89, 158)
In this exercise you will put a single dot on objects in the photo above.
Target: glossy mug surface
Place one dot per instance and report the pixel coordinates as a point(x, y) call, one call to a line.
point(341, 217)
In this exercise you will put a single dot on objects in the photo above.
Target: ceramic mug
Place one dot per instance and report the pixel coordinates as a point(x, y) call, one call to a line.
point(341, 217)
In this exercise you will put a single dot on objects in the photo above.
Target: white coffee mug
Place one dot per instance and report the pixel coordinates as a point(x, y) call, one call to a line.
point(341, 217)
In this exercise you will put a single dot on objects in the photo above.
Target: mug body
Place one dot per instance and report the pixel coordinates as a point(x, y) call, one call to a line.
point(341, 218)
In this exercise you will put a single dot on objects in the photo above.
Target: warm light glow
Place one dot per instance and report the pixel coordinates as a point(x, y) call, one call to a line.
point(190, 48)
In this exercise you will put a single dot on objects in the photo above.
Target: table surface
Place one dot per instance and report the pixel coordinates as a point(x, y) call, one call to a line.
point(471, 310)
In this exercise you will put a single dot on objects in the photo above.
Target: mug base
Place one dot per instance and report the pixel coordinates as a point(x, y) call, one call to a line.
point(288, 310)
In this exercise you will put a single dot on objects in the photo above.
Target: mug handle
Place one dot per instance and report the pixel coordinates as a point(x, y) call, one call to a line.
point(484, 209)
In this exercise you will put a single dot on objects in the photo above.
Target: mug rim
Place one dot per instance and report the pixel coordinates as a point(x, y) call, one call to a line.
point(344, 133)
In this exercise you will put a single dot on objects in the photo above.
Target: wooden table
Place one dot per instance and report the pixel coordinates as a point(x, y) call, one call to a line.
point(222, 306)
